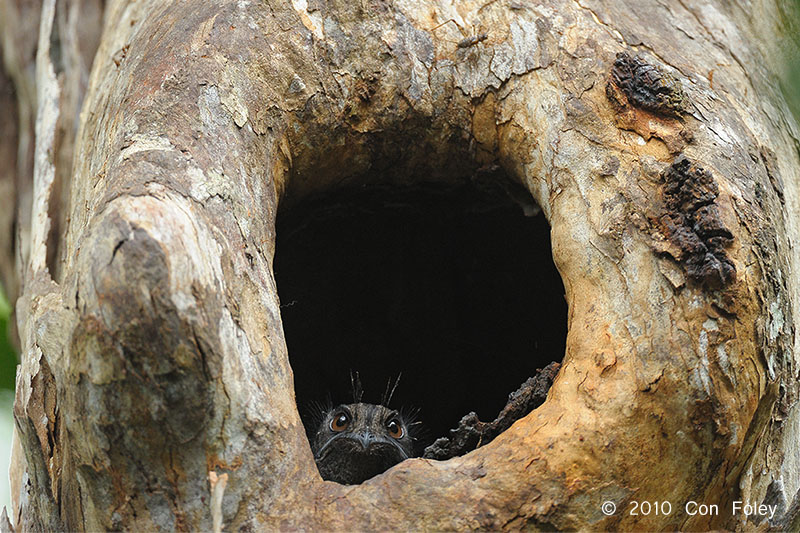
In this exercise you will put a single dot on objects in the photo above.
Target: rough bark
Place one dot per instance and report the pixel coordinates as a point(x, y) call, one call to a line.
point(154, 370)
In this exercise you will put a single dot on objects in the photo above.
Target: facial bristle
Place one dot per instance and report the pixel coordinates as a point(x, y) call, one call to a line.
point(387, 395)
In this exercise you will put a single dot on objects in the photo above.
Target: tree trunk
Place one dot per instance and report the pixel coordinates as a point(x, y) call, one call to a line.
point(155, 390)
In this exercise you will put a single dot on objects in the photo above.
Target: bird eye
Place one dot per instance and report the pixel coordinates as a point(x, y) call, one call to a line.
point(340, 421)
point(395, 428)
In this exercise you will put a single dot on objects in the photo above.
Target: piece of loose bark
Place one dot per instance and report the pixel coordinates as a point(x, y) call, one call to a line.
point(471, 433)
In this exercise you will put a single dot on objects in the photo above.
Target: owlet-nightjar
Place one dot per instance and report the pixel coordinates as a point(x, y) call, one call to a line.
point(357, 441)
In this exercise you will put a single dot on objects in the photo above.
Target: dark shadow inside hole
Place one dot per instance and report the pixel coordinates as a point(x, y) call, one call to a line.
point(452, 286)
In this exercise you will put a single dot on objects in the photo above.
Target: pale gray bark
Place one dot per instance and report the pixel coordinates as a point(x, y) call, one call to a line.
point(153, 359)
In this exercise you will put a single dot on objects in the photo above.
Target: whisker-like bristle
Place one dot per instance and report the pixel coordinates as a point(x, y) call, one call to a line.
point(355, 383)
point(314, 412)
point(396, 382)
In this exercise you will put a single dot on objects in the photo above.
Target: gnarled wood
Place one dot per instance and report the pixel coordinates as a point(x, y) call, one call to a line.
point(158, 356)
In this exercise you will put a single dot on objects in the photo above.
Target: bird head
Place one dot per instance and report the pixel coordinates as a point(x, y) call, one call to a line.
point(355, 442)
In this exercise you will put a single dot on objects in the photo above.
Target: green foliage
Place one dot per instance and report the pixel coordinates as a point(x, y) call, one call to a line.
point(8, 356)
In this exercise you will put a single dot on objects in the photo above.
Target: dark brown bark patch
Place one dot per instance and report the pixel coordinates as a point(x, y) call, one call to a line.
point(471, 433)
point(692, 223)
point(647, 86)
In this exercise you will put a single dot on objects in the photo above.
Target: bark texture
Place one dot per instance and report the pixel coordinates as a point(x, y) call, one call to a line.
point(653, 136)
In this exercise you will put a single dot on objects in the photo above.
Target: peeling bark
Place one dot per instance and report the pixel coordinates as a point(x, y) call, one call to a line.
point(153, 359)
point(471, 433)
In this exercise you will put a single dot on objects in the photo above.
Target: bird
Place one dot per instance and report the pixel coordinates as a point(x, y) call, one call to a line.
point(357, 441)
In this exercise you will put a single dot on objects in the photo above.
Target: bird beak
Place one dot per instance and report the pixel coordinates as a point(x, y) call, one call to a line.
point(366, 438)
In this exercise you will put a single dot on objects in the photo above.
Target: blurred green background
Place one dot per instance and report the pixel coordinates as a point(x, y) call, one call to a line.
point(789, 45)
point(8, 365)
point(8, 357)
